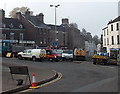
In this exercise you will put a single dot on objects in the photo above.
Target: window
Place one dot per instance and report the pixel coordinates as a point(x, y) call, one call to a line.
point(111, 27)
point(21, 36)
point(107, 41)
point(3, 36)
point(107, 31)
point(117, 26)
point(21, 26)
point(44, 32)
point(11, 25)
point(44, 41)
point(11, 36)
point(118, 39)
point(112, 40)
point(29, 51)
point(104, 32)
point(3, 25)
point(40, 31)
point(41, 42)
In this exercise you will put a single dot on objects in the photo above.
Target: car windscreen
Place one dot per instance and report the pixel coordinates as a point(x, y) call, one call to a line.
point(68, 51)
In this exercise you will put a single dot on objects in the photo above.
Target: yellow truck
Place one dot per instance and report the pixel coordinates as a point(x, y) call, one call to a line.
point(79, 54)
point(100, 58)
point(103, 58)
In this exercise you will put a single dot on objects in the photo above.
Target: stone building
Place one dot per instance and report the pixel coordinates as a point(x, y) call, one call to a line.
point(111, 35)
point(11, 28)
point(26, 27)
point(60, 34)
point(74, 37)
point(35, 27)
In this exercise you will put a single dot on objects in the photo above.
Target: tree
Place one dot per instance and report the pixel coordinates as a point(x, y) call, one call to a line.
point(74, 25)
point(84, 32)
point(17, 9)
point(96, 39)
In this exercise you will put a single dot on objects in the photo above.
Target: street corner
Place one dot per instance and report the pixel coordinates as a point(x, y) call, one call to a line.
point(57, 76)
point(44, 82)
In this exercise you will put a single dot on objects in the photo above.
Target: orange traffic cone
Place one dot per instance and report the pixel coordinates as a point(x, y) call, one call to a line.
point(34, 83)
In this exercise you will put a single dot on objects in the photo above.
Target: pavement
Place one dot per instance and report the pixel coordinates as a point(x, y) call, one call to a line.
point(10, 86)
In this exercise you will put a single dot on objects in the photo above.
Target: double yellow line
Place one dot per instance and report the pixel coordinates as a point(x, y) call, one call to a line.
point(53, 81)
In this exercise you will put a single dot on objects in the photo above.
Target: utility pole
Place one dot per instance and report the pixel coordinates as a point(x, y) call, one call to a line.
point(56, 37)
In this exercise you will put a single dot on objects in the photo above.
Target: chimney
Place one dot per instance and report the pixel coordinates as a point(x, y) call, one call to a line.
point(27, 14)
point(18, 15)
point(40, 17)
point(2, 14)
point(65, 21)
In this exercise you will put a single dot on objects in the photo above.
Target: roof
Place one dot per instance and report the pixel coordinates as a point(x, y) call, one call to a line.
point(12, 23)
point(105, 28)
point(38, 23)
point(115, 20)
point(59, 28)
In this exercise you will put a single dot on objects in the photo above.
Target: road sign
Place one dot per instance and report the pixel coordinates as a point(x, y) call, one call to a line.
point(55, 43)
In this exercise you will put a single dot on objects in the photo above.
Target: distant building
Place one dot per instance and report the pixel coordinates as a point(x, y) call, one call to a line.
point(35, 28)
point(74, 38)
point(61, 35)
point(111, 34)
point(11, 28)
point(26, 27)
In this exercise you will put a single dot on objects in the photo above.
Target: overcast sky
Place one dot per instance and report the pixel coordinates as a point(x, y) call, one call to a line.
point(93, 15)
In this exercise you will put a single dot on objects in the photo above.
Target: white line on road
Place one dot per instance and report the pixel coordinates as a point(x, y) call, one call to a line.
point(107, 66)
point(88, 87)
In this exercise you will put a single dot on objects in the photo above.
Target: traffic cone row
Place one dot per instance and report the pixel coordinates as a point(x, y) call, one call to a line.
point(34, 83)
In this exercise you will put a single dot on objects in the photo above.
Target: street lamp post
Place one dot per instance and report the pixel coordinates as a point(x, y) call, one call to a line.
point(55, 6)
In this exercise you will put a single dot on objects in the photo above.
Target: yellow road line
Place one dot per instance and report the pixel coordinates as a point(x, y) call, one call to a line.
point(53, 81)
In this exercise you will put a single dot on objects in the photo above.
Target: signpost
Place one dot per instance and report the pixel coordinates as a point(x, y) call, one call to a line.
point(55, 44)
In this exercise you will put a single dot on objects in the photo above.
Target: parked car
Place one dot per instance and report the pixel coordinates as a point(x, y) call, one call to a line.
point(33, 54)
point(67, 55)
point(58, 51)
point(51, 55)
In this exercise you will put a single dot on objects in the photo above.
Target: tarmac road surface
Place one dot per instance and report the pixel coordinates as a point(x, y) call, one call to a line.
point(80, 76)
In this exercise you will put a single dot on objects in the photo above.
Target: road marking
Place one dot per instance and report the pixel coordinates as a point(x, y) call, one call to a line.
point(53, 81)
point(107, 66)
point(88, 87)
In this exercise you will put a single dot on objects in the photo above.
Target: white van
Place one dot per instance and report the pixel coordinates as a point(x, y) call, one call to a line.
point(33, 54)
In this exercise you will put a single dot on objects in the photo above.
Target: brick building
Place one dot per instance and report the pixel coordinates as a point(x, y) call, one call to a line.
point(11, 28)
point(32, 28)
point(35, 28)
point(61, 36)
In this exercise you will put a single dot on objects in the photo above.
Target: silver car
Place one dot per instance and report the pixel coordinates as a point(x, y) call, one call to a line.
point(67, 55)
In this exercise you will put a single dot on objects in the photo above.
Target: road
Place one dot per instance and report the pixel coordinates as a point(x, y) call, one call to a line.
point(76, 76)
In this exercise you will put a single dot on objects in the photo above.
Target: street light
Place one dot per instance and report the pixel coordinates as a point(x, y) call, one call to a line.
point(55, 6)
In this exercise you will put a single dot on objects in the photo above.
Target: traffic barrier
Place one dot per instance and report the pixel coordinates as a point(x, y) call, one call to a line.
point(34, 83)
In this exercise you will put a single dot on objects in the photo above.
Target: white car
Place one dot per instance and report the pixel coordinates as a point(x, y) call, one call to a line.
point(67, 54)
point(33, 54)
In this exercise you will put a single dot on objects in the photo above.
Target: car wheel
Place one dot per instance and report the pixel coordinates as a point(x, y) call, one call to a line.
point(33, 58)
point(94, 62)
point(20, 57)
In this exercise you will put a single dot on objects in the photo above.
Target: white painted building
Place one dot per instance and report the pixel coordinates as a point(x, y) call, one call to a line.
point(111, 35)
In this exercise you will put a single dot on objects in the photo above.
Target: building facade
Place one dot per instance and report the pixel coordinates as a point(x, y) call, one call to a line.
point(74, 37)
point(60, 35)
point(35, 27)
point(26, 27)
point(11, 28)
point(111, 35)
